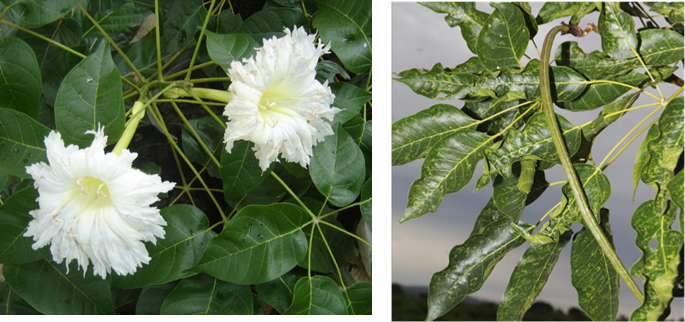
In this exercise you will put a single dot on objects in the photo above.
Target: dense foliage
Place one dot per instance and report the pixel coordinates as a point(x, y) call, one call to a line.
point(502, 124)
point(239, 240)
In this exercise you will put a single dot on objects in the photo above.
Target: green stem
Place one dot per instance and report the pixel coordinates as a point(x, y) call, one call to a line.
point(570, 172)
point(33, 33)
point(138, 111)
point(292, 194)
point(199, 40)
point(204, 93)
point(157, 43)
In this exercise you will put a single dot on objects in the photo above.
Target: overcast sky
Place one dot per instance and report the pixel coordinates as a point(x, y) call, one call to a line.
point(421, 38)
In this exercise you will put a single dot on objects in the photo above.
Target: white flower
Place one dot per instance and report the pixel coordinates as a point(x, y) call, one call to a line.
point(95, 206)
point(277, 103)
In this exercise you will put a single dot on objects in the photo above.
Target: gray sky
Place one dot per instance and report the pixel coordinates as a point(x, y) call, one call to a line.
point(421, 38)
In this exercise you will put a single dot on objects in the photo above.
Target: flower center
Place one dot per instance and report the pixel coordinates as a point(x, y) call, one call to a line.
point(94, 194)
point(273, 106)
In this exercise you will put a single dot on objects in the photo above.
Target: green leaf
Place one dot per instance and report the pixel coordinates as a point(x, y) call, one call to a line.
point(203, 295)
point(471, 66)
point(470, 265)
point(657, 47)
point(617, 30)
point(596, 186)
point(600, 94)
point(211, 134)
point(508, 198)
point(180, 20)
point(279, 292)
point(143, 55)
point(225, 22)
point(90, 96)
point(643, 155)
point(529, 277)
point(271, 191)
point(259, 244)
point(358, 298)
point(36, 13)
point(187, 235)
point(340, 244)
point(227, 48)
point(268, 23)
point(487, 215)
point(21, 142)
point(361, 132)
point(317, 295)
point(14, 218)
point(658, 265)
point(675, 187)
point(555, 10)
point(462, 14)
point(120, 24)
point(498, 111)
point(535, 141)
point(337, 168)
point(437, 82)
point(240, 171)
point(349, 99)
point(415, 135)
point(667, 148)
point(365, 207)
point(448, 167)
point(48, 287)
point(20, 82)
point(326, 70)
point(610, 113)
point(346, 25)
point(504, 38)
point(151, 298)
point(593, 275)
point(12, 304)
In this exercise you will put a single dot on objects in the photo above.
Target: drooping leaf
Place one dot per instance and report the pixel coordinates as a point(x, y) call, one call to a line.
point(14, 219)
point(12, 304)
point(346, 24)
point(448, 167)
point(350, 99)
point(317, 295)
point(658, 265)
point(279, 292)
point(470, 265)
point(675, 188)
point(259, 244)
point(593, 275)
point(529, 277)
point(555, 10)
point(617, 30)
point(187, 235)
point(20, 84)
point(21, 142)
point(48, 288)
point(358, 298)
point(90, 96)
point(535, 140)
point(227, 48)
point(36, 13)
point(504, 38)
point(337, 168)
point(204, 295)
point(268, 23)
point(643, 155)
point(415, 135)
point(667, 148)
point(462, 14)
point(437, 82)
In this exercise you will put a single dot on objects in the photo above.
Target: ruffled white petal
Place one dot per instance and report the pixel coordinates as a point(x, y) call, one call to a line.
point(94, 207)
point(276, 101)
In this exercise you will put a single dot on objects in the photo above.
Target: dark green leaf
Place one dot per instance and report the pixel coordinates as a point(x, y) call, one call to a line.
point(20, 82)
point(225, 22)
point(21, 142)
point(225, 49)
point(555, 10)
point(211, 134)
point(180, 20)
point(340, 244)
point(268, 23)
point(658, 265)
point(349, 99)
point(534, 141)
point(448, 167)
point(617, 30)
point(529, 277)
point(415, 135)
point(14, 218)
point(643, 155)
point(143, 55)
point(90, 96)
point(509, 200)
point(462, 14)
point(337, 168)
point(259, 244)
point(600, 94)
point(358, 298)
point(346, 25)
point(187, 235)
point(610, 113)
point(203, 295)
point(122, 297)
point(597, 189)
point(151, 298)
point(240, 171)
point(279, 292)
point(675, 187)
point(667, 148)
point(36, 13)
point(365, 207)
point(593, 275)
point(504, 38)
point(120, 24)
point(487, 215)
point(326, 70)
point(471, 66)
point(51, 290)
point(317, 295)
point(12, 304)
point(470, 265)
point(271, 191)
point(439, 82)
